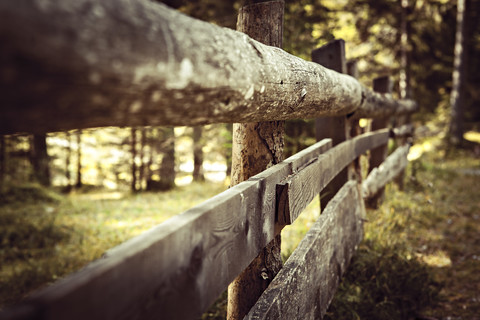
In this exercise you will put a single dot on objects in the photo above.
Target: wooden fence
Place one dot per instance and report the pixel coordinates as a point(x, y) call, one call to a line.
point(154, 66)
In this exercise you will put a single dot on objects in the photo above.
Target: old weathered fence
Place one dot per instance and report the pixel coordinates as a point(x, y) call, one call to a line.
point(84, 63)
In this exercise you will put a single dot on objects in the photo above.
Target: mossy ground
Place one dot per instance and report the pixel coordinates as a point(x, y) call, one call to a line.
point(420, 257)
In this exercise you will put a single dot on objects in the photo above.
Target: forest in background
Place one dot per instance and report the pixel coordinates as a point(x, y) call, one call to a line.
point(412, 41)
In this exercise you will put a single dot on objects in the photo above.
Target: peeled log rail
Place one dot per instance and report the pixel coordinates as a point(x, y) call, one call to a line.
point(385, 173)
point(87, 63)
point(305, 286)
point(298, 190)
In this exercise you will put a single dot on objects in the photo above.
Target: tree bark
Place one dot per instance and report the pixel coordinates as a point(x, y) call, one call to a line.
point(255, 147)
point(39, 159)
point(197, 154)
point(457, 96)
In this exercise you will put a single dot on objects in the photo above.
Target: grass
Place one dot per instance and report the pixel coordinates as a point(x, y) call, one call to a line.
point(44, 236)
point(420, 256)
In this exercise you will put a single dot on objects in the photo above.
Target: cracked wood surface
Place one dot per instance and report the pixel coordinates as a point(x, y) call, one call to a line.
point(86, 64)
point(189, 260)
point(298, 190)
point(305, 286)
point(386, 172)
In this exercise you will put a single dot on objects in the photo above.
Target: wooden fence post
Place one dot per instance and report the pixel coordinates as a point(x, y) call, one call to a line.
point(378, 155)
point(332, 56)
point(257, 146)
point(355, 130)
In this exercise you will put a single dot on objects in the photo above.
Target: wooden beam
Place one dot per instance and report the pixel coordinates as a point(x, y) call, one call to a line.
point(332, 56)
point(386, 172)
point(378, 155)
point(169, 267)
point(307, 283)
point(83, 63)
point(298, 190)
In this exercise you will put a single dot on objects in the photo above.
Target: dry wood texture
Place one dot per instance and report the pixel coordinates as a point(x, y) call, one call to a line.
point(332, 56)
point(257, 146)
point(294, 194)
point(177, 269)
point(87, 63)
point(305, 286)
point(386, 172)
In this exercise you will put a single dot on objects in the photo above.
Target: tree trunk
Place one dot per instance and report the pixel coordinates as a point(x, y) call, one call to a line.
point(3, 160)
point(39, 159)
point(141, 169)
point(197, 154)
point(68, 156)
point(257, 146)
point(457, 97)
point(167, 167)
point(133, 149)
point(79, 182)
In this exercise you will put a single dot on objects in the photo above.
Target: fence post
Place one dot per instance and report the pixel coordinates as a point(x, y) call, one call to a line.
point(257, 146)
point(332, 56)
point(378, 155)
point(355, 130)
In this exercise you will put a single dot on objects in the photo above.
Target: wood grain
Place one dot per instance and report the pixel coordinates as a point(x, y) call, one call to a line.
point(386, 172)
point(307, 283)
point(298, 190)
point(187, 261)
point(87, 63)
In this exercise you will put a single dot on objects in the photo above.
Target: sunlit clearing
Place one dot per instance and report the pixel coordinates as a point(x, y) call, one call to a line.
point(472, 136)
point(363, 122)
point(417, 150)
point(438, 259)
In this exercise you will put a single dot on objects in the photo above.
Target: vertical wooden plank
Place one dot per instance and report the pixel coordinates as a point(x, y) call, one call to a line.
point(355, 173)
point(332, 56)
point(378, 155)
point(257, 146)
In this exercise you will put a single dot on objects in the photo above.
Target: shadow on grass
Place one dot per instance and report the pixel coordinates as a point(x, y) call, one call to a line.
point(382, 284)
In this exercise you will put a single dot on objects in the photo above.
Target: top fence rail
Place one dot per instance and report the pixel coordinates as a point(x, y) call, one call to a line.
point(132, 63)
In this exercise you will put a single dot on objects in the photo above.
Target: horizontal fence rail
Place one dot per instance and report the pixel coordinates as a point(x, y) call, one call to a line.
point(305, 286)
point(87, 63)
point(191, 258)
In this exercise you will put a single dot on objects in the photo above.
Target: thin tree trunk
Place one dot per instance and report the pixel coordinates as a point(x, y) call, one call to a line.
point(68, 156)
point(457, 97)
point(197, 154)
point(133, 149)
point(141, 170)
point(39, 159)
point(256, 146)
point(79, 182)
point(167, 168)
point(3, 160)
